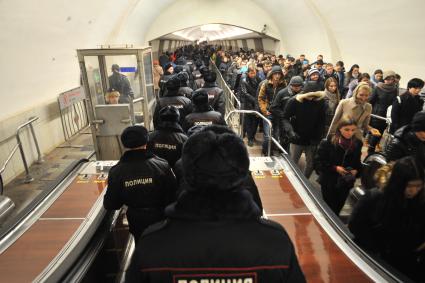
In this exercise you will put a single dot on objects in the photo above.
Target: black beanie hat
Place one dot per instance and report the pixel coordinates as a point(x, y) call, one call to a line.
point(210, 76)
point(183, 77)
point(169, 113)
point(178, 69)
point(134, 136)
point(173, 83)
point(418, 122)
point(214, 159)
point(200, 98)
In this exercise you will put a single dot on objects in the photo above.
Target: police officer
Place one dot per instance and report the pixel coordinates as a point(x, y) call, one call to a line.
point(168, 138)
point(172, 97)
point(210, 231)
point(140, 180)
point(215, 94)
point(120, 83)
point(184, 89)
point(203, 113)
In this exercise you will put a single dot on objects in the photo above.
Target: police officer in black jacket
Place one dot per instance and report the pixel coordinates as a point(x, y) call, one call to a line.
point(168, 138)
point(120, 83)
point(215, 94)
point(203, 114)
point(172, 97)
point(212, 228)
point(140, 180)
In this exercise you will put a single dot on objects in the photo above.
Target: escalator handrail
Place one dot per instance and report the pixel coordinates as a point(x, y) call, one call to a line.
point(381, 267)
point(11, 224)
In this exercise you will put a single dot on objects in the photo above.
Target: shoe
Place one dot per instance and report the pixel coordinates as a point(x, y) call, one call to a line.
point(250, 143)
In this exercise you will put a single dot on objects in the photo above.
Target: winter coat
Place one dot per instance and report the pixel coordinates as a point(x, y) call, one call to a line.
point(329, 155)
point(393, 232)
point(267, 94)
point(403, 110)
point(279, 103)
point(207, 238)
point(349, 108)
point(157, 73)
point(405, 143)
point(167, 141)
point(215, 96)
point(120, 83)
point(248, 92)
point(185, 91)
point(203, 116)
point(382, 97)
point(143, 182)
point(182, 103)
point(304, 118)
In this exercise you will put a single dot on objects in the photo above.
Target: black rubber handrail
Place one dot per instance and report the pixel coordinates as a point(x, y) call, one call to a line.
point(381, 267)
point(10, 224)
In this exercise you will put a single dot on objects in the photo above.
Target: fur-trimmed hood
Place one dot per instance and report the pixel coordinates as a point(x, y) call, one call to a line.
point(318, 95)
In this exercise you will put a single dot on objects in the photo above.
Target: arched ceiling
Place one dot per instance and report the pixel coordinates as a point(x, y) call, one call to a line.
point(211, 32)
point(39, 38)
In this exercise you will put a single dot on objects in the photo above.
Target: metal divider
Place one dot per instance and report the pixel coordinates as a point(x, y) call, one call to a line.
point(19, 146)
point(73, 112)
point(386, 136)
point(233, 106)
point(232, 103)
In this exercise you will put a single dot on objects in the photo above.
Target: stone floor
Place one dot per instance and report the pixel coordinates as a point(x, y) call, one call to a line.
point(45, 173)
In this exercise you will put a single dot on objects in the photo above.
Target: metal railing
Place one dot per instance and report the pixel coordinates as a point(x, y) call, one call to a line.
point(19, 146)
point(387, 137)
point(73, 112)
point(231, 101)
point(269, 146)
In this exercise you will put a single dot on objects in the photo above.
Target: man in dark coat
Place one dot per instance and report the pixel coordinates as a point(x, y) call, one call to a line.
point(172, 97)
point(184, 89)
point(215, 94)
point(120, 83)
point(304, 122)
point(140, 180)
point(407, 105)
point(279, 103)
point(203, 113)
point(249, 85)
point(168, 138)
point(409, 140)
point(213, 223)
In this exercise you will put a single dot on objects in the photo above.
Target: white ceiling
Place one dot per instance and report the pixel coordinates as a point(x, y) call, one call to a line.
point(45, 34)
point(212, 32)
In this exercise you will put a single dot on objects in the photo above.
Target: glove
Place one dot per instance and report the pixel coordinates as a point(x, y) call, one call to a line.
point(293, 137)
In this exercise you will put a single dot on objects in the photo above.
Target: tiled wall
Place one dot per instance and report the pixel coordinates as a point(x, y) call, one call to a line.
point(48, 130)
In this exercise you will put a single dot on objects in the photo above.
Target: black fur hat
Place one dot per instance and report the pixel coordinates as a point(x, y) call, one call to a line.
point(210, 76)
point(134, 136)
point(173, 82)
point(200, 98)
point(214, 159)
point(169, 113)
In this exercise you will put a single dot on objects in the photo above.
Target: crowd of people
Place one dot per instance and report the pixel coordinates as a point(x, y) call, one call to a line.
point(315, 108)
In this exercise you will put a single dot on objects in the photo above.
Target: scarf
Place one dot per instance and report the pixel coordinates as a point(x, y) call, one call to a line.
point(333, 100)
point(387, 88)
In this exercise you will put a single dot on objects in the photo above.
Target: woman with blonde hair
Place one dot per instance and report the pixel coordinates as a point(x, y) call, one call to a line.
point(112, 97)
point(358, 108)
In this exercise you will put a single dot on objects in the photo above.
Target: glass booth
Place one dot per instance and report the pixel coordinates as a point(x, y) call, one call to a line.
point(106, 72)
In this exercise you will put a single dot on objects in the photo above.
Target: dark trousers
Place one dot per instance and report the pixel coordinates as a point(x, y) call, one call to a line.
point(250, 125)
point(334, 196)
